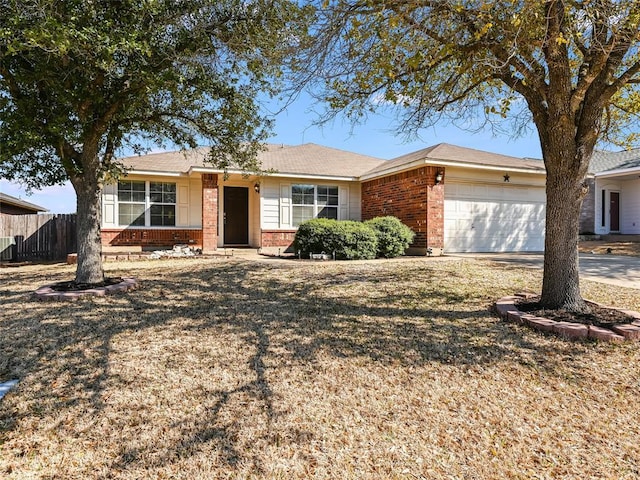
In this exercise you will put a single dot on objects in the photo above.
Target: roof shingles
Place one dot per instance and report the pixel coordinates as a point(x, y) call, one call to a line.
point(307, 159)
point(603, 161)
point(315, 160)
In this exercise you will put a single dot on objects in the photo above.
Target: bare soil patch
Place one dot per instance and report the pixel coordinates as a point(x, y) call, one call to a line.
point(229, 368)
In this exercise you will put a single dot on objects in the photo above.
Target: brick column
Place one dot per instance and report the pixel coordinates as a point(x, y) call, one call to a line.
point(435, 211)
point(209, 212)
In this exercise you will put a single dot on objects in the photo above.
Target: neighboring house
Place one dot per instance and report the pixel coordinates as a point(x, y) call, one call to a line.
point(455, 199)
point(613, 202)
point(14, 206)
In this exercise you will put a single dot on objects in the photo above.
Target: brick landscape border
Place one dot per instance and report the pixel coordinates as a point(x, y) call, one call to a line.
point(49, 293)
point(506, 308)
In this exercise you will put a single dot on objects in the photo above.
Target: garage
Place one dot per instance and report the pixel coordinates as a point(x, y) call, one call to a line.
point(485, 217)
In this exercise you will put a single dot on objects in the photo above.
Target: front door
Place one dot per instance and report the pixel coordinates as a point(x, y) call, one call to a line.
point(614, 211)
point(236, 216)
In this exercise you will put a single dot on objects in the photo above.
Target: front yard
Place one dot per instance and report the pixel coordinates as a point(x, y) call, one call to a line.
point(230, 368)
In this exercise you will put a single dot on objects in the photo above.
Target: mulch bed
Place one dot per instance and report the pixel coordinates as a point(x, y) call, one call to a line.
point(599, 316)
point(73, 286)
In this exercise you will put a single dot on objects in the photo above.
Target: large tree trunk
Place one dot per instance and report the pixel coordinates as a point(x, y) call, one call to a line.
point(561, 282)
point(89, 269)
point(565, 192)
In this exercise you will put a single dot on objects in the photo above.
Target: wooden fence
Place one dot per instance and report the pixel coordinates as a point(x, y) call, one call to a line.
point(37, 237)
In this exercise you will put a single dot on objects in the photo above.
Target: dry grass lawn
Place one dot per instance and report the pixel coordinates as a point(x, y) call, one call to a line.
point(617, 248)
point(230, 368)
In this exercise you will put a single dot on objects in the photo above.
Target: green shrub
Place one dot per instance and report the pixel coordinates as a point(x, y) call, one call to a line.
point(394, 237)
point(311, 236)
point(349, 240)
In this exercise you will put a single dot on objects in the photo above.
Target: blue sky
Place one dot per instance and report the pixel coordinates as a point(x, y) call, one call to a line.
point(294, 126)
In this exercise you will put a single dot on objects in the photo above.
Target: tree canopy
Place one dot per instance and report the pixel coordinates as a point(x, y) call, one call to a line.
point(449, 59)
point(128, 73)
point(570, 67)
point(80, 81)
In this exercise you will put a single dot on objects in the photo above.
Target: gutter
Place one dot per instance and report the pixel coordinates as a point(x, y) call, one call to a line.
point(309, 176)
point(620, 172)
point(155, 173)
point(445, 163)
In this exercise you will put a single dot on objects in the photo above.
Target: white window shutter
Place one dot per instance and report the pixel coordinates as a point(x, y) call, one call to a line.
point(183, 205)
point(109, 202)
point(343, 203)
point(285, 205)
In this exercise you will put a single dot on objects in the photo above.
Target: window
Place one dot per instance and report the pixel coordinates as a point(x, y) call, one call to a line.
point(131, 203)
point(603, 208)
point(313, 201)
point(146, 203)
point(162, 197)
point(327, 202)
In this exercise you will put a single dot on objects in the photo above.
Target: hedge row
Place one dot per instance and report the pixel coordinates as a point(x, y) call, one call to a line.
point(349, 240)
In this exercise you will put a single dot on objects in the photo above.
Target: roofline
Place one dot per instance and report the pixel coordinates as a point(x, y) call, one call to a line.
point(619, 172)
point(310, 176)
point(17, 202)
point(343, 178)
point(155, 173)
point(446, 163)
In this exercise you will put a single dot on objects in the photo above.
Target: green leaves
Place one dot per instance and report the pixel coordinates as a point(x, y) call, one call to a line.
point(82, 80)
point(458, 58)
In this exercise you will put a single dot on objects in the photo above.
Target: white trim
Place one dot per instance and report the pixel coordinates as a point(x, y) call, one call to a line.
point(310, 176)
point(618, 173)
point(314, 177)
point(342, 178)
point(147, 205)
point(444, 163)
point(154, 173)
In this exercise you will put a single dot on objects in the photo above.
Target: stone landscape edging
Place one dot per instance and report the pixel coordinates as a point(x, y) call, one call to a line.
point(506, 308)
point(48, 292)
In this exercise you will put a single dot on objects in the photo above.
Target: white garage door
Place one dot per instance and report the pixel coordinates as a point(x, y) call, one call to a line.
point(493, 218)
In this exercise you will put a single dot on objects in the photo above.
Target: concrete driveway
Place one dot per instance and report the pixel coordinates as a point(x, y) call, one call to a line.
point(613, 269)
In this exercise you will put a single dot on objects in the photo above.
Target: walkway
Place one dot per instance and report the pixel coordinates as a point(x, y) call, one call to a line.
point(612, 269)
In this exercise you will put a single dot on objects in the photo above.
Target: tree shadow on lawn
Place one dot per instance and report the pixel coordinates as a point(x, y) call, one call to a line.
point(63, 350)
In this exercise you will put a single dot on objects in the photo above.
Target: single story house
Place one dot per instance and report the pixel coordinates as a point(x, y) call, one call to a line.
point(10, 205)
point(455, 199)
point(613, 202)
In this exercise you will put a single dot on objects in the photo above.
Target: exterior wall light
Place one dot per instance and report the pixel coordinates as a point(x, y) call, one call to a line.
point(256, 187)
point(439, 177)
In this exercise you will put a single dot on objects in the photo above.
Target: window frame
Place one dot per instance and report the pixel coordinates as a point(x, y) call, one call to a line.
point(164, 203)
point(319, 204)
point(130, 202)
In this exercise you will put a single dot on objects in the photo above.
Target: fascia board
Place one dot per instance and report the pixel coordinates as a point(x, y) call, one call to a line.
point(618, 173)
point(443, 163)
point(154, 173)
point(337, 178)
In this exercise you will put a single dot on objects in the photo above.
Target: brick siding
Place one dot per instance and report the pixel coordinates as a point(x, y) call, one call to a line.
point(414, 198)
point(209, 212)
point(151, 237)
point(277, 238)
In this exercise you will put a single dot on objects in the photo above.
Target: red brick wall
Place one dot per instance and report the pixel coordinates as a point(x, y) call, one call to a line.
point(277, 238)
point(435, 211)
point(151, 237)
point(209, 212)
point(414, 198)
